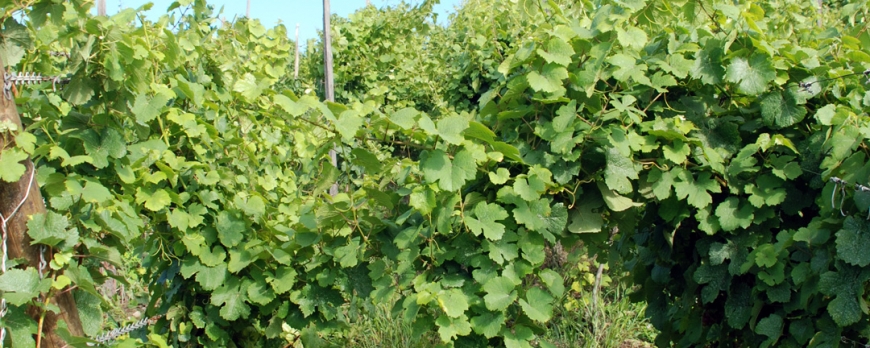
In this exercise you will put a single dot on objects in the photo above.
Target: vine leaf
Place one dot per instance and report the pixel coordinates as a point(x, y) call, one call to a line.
point(696, 190)
point(230, 227)
point(231, 300)
point(239, 259)
point(49, 228)
point(677, 152)
point(449, 328)
point(488, 324)
point(708, 63)
point(549, 79)
point(770, 326)
point(292, 107)
point(254, 206)
point(156, 201)
point(584, 216)
point(518, 337)
point(538, 305)
point(500, 293)
point(738, 306)
point(662, 182)
point(90, 312)
point(484, 220)
point(558, 52)
point(844, 285)
point(285, 278)
point(422, 198)
point(532, 214)
point(249, 87)
point(780, 108)
point(10, 161)
point(349, 122)
point(751, 76)
point(500, 176)
point(21, 285)
point(405, 118)
point(733, 215)
point(614, 201)
point(21, 327)
point(14, 42)
point(453, 302)
point(450, 128)
point(211, 278)
point(554, 282)
point(619, 171)
point(632, 37)
point(147, 108)
point(450, 175)
point(565, 116)
point(101, 147)
point(853, 242)
point(766, 255)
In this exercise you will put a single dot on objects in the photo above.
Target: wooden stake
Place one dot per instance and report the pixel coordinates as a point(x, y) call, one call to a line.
point(330, 84)
point(18, 242)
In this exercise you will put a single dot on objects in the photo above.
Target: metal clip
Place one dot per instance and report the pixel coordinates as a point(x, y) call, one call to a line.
point(805, 86)
point(839, 185)
point(59, 54)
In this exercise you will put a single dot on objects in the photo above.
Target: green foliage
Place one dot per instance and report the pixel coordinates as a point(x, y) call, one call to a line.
point(467, 151)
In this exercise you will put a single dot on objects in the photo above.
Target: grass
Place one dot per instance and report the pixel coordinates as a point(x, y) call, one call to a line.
point(616, 323)
point(381, 330)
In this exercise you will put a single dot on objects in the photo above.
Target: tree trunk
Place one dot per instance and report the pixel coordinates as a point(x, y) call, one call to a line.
point(18, 242)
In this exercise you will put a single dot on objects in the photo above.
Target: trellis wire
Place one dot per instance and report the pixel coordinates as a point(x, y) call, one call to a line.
point(115, 333)
point(853, 343)
point(29, 78)
point(805, 86)
point(3, 221)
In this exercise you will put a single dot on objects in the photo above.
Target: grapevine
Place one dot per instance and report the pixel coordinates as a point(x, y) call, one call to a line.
point(714, 139)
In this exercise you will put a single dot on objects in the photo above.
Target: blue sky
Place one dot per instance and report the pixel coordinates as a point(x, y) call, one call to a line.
point(308, 13)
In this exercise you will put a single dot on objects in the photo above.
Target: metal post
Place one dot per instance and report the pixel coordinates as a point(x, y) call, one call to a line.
point(248, 10)
point(821, 13)
point(330, 85)
point(296, 65)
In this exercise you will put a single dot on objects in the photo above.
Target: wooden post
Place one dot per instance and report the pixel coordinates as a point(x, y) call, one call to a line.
point(296, 64)
point(18, 242)
point(330, 84)
point(101, 7)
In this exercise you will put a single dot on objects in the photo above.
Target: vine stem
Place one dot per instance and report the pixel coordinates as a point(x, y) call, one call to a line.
point(41, 321)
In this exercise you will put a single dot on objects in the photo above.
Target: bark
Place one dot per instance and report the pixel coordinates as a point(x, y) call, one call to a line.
point(18, 242)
